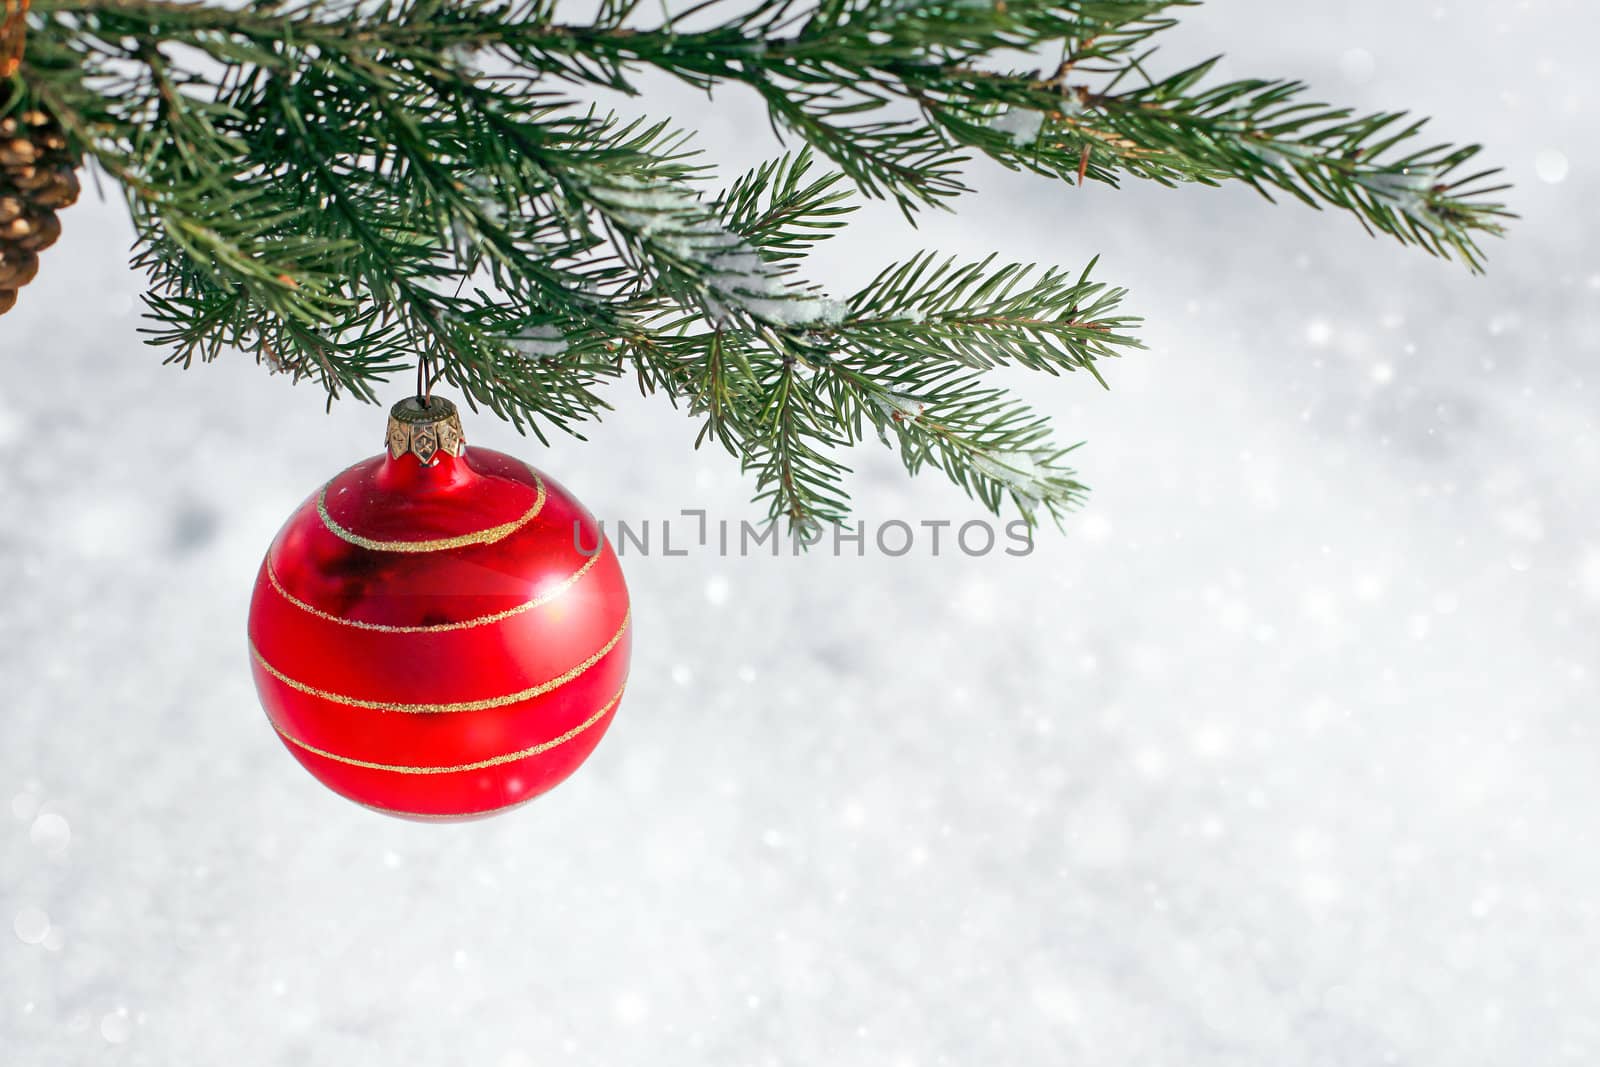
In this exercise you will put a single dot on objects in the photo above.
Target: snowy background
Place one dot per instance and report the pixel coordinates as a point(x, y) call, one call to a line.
point(1283, 756)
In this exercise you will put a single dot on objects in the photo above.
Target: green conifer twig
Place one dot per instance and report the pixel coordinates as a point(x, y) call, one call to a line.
point(340, 188)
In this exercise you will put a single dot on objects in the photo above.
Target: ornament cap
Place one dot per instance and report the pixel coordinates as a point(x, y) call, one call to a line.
point(425, 428)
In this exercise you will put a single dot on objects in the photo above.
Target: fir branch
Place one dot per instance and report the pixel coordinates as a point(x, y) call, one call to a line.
point(903, 358)
point(340, 188)
point(826, 70)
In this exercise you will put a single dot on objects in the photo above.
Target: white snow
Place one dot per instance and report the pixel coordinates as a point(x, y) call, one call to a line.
point(1021, 124)
point(116, 1027)
point(536, 342)
point(1551, 165)
point(1292, 766)
point(1019, 470)
point(738, 276)
point(31, 925)
point(1406, 190)
point(51, 832)
point(1278, 154)
point(899, 405)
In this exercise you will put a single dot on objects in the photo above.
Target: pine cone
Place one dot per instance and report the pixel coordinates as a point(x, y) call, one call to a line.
point(38, 177)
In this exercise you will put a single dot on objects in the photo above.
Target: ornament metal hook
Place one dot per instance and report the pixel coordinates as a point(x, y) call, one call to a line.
point(425, 378)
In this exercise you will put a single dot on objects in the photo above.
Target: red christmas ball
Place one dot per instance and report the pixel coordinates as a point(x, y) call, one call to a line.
point(440, 633)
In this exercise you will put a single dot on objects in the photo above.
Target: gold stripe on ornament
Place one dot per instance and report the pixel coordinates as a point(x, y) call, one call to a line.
point(466, 624)
point(413, 816)
point(442, 544)
point(436, 709)
point(496, 761)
